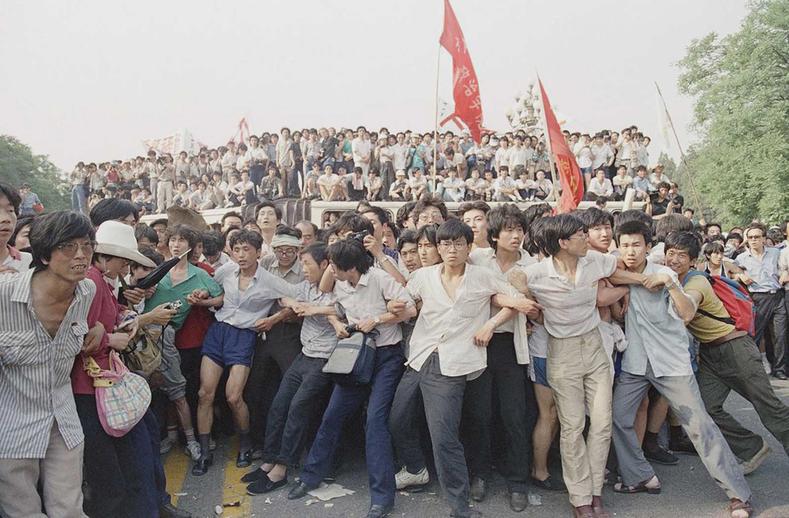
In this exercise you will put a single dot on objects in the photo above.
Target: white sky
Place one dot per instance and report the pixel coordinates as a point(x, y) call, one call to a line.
point(89, 80)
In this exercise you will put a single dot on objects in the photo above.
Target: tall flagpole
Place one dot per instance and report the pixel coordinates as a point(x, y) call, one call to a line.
point(681, 151)
point(435, 127)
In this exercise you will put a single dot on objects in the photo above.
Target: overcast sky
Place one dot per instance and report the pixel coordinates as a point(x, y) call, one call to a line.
point(89, 80)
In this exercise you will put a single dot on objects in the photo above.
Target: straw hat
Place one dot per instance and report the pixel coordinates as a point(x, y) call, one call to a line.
point(117, 239)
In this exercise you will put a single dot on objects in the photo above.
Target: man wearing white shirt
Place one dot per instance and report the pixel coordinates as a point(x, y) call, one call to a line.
point(362, 149)
point(502, 156)
point(599, 186)
point(399, 153)
point(453, 187)
point(601, 153)
point(447, 348)
point(519, 156)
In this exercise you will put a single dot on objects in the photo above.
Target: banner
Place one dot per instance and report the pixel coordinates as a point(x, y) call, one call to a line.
point(174, 144)
point(572, 181)
point(465, 88)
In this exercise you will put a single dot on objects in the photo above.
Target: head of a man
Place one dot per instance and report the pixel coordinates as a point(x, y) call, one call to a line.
point(564, 234)
point(712, 230)
point(755, 236)
point(114, 209)
point(599, 224)
point(349, 260)
point(475, 215)
point(9, 212)
point(267, 216)
point(231, 220)
point(407, 247)
point(454, 242)
point(62, 243)
point(246, 246)
point(427, 245)
point(379, 218)
point(634, 239)
point(506, 228)
point(309, 231)
point(314, 261)
point(181, 238)
point(286, 245)
point(429, 211)
point(682, 251)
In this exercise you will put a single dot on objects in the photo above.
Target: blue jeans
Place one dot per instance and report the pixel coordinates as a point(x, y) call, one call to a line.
point(344, 402)
point(78, 201)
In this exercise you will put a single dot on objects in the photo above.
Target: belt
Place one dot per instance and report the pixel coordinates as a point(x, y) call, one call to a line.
point(723, 339)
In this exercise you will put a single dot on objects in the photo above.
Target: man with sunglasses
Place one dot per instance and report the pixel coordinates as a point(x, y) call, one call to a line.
point(43, 321)
point(761, 265)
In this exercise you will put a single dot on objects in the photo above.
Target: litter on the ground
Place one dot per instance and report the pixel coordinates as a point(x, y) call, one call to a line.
point(330, 491)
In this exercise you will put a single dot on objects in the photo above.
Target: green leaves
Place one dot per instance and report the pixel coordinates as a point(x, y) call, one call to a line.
point(18, 165)
point(741, 87)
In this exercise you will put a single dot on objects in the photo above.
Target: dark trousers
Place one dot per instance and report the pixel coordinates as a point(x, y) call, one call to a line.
point(273, 357)
point(119, 471)
point(190, 368)
point(257, 173)
point(344, 401)
point(771, 316)
point(152, 425)
point(443, 403)
point(500, 387)
point(737, 365)
point(300, 391)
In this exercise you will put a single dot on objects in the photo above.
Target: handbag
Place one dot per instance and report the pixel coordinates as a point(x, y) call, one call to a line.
point(144, 354)
point(352, 361)
point(122, 398)
point(38, 208)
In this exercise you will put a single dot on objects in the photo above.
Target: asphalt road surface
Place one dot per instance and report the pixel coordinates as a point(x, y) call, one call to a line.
point(688, 491)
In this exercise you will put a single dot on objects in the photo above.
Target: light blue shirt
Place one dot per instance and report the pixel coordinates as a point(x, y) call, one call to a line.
point(655, 333)
point(764, 271)
point(642, 184)
point(242, 309)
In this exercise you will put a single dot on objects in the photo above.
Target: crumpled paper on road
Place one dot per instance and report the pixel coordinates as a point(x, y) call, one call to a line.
point(330, 491)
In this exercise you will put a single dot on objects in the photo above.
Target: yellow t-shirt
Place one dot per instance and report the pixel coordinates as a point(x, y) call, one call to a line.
point(704, 328)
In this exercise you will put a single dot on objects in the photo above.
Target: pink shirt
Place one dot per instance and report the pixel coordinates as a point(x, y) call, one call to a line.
point(104, 309)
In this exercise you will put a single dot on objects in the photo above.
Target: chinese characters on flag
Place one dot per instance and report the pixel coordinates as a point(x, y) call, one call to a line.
point(465, 89)
point(569, 173)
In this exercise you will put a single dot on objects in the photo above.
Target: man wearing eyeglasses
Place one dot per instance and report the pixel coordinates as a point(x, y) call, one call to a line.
point(43, 321)
point(761, 265)
point(280, 334)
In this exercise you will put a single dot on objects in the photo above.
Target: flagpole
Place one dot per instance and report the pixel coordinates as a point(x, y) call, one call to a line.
point(681, 151)
point(435, 127)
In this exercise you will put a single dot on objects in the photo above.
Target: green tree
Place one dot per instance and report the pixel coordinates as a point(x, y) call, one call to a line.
point(19, 165)
point(741, 88)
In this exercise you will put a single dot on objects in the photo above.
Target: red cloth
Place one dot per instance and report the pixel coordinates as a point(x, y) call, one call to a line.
point(104, 309)
point(465, 88)
point(569, 173)
point(197, 322)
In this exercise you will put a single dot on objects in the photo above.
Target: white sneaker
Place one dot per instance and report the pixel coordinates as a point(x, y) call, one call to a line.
point(404, 479)
point(166, 445)
point(766, 364)
point(193, 450)
point(749, 466)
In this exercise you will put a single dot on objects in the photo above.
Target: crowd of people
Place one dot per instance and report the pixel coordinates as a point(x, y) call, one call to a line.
point(602, 330)
point(348, 165)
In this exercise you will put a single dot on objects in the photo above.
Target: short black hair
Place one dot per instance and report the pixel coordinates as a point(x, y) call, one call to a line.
point(633, 215)
point(403, 212)
point(347, 254)
point(144, 231)
point(593, 217)
point(213, 243)
point(473, 205)
point(249, 237)
point(310, 223)
point(453, 229)
point(632, 228)
point(712, 247)
point(687, 241)
point(352, 222)
point(710, 225)
point(192, 236)
point(110, 209)
point(429, 232)
point(554, 228)
point(407, 236)
point(381, 214)
point(21, 223)
point(277, 211)
point(671, 223)
point(50, 230)
point(504, 216)
point(13, 196)
point(317, 250)
point(151, 254)
point(231, 214)
point(430, 201)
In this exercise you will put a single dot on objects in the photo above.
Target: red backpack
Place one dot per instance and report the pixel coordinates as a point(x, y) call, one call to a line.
point(736, 301)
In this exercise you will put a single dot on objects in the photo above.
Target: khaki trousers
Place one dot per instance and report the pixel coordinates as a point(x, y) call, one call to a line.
point(60, 472)
point(579, 373)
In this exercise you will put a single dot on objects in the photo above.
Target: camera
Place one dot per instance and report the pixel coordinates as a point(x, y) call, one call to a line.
point(351, 329)
point(176, 304)
point(358, 236)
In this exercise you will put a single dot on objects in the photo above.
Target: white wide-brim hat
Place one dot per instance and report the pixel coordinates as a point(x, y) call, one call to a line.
point(117, 239)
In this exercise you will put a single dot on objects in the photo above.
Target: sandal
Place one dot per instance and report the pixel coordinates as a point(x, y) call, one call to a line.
point(740, 509)
point(641, 487)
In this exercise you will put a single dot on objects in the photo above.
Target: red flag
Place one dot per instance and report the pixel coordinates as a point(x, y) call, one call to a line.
point(465, 89)
point(569, 173)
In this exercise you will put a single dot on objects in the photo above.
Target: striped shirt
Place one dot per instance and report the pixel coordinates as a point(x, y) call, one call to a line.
point(35, 386)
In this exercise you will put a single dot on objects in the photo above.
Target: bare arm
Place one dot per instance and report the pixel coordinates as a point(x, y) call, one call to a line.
point(606, 296)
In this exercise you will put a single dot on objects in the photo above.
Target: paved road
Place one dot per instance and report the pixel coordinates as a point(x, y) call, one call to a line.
point(688, 491)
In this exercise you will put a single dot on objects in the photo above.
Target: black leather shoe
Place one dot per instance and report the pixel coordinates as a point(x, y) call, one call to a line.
point(550, 484)
point(244, 459)
point(661, 456)
point(683, 445)
point(779, 375)
point(518, 501)
point(168, 510)
point(200, 467)
point(253, 476)
point(299, 491)
point(265, 485)
point(478, 490)
point(379, 511)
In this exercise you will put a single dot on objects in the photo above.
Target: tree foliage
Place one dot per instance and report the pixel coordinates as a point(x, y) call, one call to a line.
point(741, 88)
point(19, 165)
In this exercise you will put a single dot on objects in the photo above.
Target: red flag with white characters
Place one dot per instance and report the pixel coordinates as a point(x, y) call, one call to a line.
point(465, 88)
point(570, 176)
